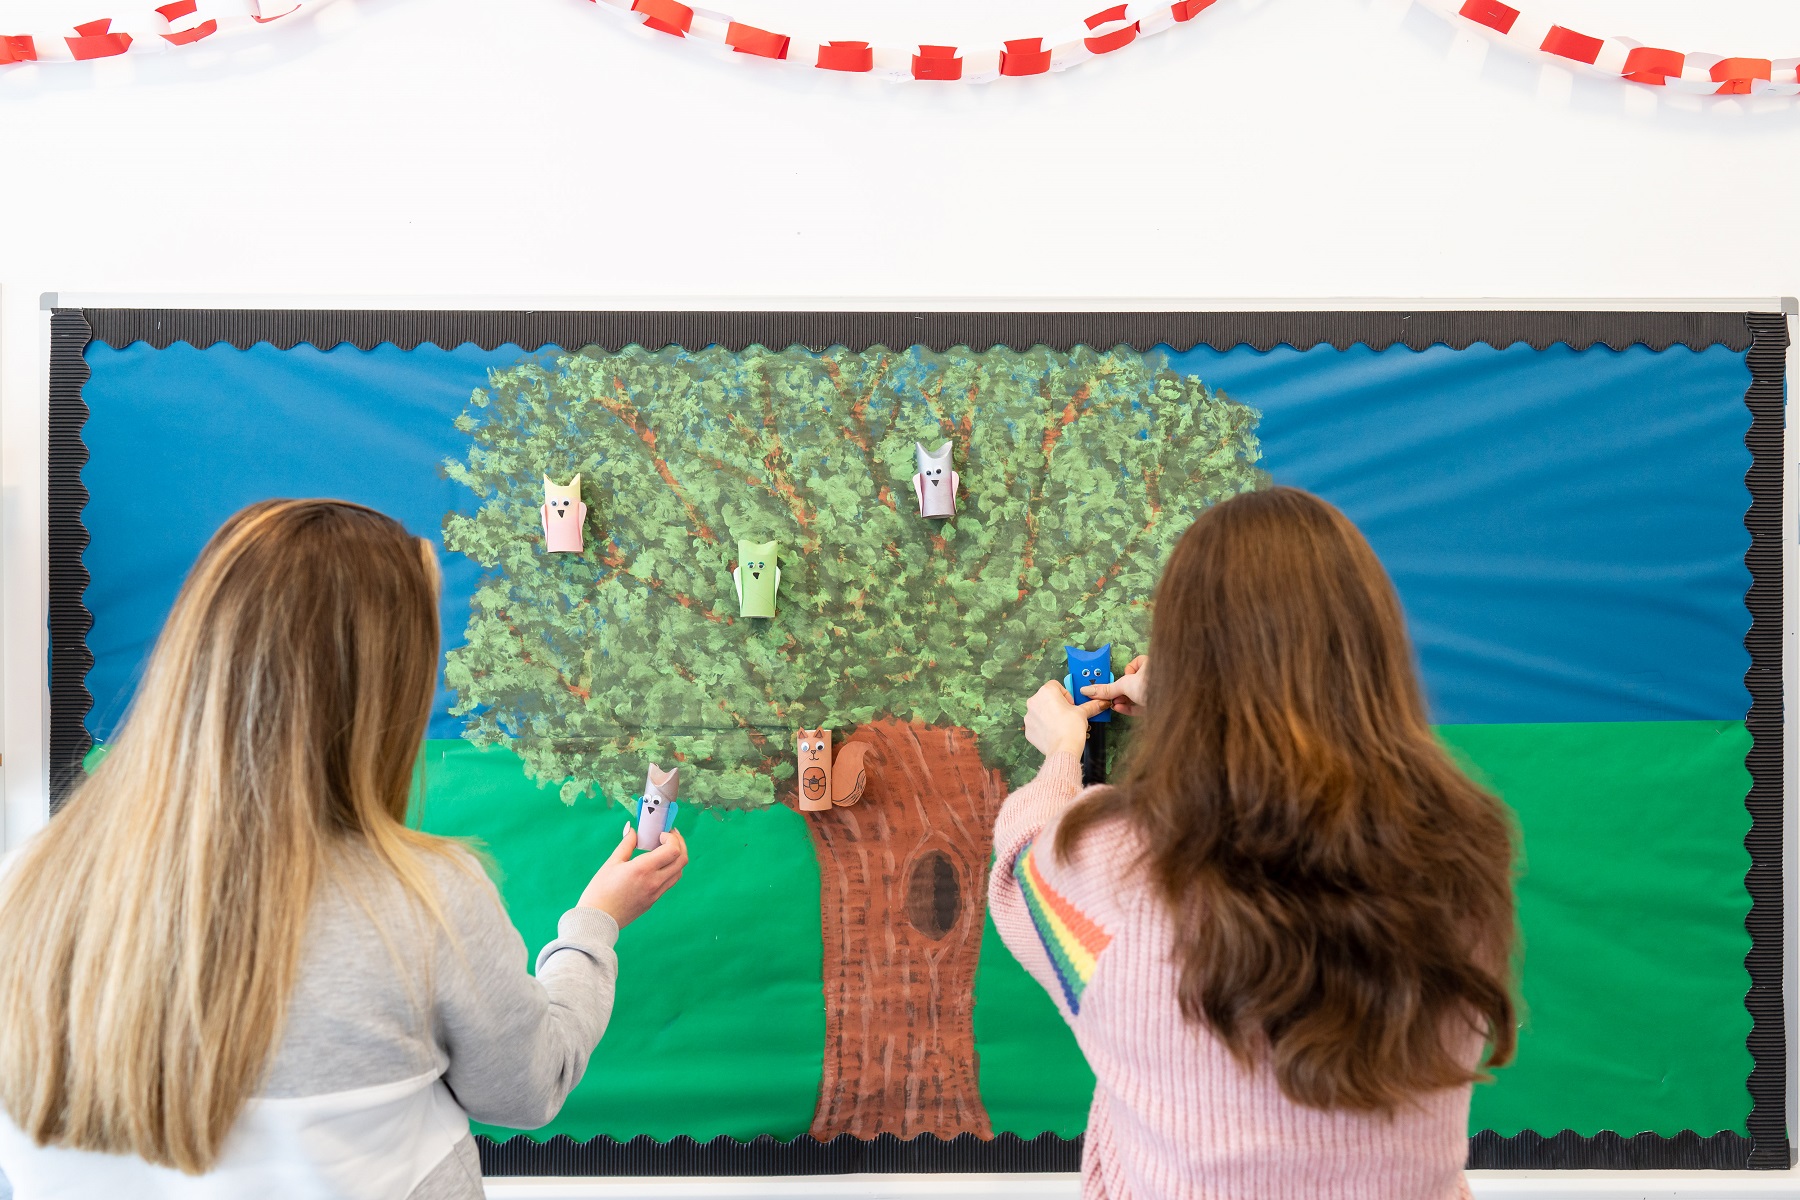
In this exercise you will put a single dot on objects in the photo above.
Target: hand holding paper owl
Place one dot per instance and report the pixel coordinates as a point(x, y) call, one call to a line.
point(657, 808)
point(1086, 668)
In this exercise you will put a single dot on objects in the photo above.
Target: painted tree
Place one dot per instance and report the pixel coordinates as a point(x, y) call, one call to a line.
point(921, 638)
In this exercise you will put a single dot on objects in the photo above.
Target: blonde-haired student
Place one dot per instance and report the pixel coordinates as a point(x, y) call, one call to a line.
point(1284, 937)
point(228, 968)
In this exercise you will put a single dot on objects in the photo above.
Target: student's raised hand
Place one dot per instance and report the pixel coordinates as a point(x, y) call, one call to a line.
point(624, 887)
point(1056, 724)
point(1127, 691)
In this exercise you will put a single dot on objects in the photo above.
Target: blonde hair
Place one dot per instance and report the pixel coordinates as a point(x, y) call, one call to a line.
point(150, 937)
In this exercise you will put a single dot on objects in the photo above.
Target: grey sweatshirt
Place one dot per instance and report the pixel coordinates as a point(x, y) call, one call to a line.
point(385, 997)
point(511, 1047)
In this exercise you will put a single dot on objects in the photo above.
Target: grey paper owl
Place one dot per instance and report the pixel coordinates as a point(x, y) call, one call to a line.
point(936, 483)
point(656, 811)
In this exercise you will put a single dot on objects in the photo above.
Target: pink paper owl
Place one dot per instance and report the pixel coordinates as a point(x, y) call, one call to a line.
point(564, 516)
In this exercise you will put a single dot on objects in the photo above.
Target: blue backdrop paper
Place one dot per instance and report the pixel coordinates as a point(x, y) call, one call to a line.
point(1565, 527)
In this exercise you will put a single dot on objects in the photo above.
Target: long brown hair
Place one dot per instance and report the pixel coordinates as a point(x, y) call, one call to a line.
point(150, 936)
point(1342, 892)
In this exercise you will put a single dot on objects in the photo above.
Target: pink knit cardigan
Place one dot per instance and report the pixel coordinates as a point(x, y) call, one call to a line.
point(1175, 1117)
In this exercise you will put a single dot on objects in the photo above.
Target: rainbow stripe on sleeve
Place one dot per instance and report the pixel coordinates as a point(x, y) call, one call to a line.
point(1071, 940)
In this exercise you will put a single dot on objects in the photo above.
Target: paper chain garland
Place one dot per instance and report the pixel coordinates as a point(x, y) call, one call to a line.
point(178, 23)
point(1622, 58)
point(1106, 31)
point(186, 22)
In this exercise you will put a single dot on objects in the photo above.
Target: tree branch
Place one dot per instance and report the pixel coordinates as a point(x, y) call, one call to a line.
point(627, 413)
point(784, 486)
point(1052, 434)
point(615, 558)
point(859, 415)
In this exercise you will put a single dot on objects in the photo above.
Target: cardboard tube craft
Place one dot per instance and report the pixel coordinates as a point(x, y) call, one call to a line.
point(657, 807)
point(935, 484)
point(757, 578)
point(1086, 668)
point(824, 783)
point(564, 515)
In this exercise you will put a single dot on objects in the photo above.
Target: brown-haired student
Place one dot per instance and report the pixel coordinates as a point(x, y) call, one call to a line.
point(1283, 937)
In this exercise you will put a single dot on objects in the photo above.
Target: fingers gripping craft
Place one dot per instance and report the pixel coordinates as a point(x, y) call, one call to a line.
point(657, 808)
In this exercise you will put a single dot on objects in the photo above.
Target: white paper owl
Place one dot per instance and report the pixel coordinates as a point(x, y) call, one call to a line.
point(657, 808)
point(935, 484)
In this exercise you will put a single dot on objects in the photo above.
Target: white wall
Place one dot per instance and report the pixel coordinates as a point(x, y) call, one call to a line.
point(534, 148)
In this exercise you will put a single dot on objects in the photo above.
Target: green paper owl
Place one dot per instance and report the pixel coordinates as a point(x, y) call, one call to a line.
point(756, 578)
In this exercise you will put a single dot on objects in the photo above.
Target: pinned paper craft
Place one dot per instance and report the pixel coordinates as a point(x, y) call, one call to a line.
point(1086, 668)
point(564, 516)
point(657, 807)
point(935, 484)
point(824, 783)
point(757, 578)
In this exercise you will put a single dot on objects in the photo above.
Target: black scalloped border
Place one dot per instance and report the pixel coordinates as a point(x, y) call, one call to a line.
point(368, 328)
point(1765, 480)
point(1763, 334)
point(68, 615)
point(842, 1155)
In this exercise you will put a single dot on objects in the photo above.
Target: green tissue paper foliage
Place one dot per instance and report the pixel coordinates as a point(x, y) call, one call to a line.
point(1078, 472)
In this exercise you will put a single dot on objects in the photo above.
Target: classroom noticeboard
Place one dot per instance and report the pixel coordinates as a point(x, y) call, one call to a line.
point(1580, 511)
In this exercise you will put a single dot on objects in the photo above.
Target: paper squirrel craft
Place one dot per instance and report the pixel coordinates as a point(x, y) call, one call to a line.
point(757, 578)
point(935, 484)
point(824, 783)
point(656, 807)
point(1086, 668)
point(564, 516)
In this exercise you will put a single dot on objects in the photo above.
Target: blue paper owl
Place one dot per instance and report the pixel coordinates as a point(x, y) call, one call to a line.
point(1086, 668)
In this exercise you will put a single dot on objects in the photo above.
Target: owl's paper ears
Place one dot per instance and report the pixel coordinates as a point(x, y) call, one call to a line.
point(932, 454)
point(658, 776)
point(573, 483)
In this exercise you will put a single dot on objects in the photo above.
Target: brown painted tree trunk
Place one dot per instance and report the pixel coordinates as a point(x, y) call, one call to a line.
point(903, 897)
